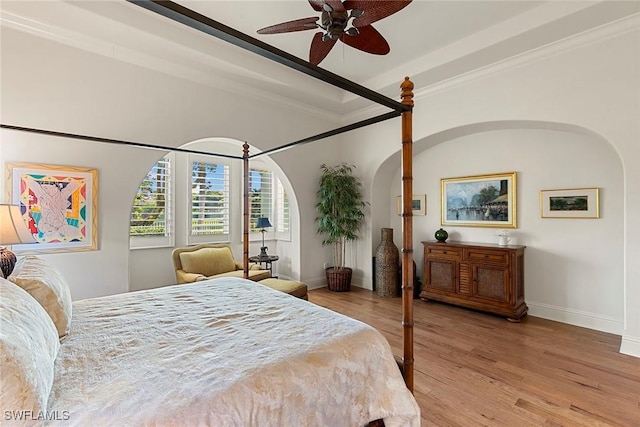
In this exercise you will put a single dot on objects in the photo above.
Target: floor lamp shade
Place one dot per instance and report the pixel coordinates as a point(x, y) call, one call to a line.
point(12, 230)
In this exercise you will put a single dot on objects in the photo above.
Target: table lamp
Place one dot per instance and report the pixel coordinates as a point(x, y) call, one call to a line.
point(263, 223)
point(12, 230)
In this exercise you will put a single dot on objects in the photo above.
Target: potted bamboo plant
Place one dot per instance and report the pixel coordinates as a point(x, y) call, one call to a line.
point(340, 215)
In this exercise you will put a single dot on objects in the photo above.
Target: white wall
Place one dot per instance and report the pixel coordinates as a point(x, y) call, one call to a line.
point(52, 86)
point(588, 83)
point(104, 271)
point(574, 267)
point(588, 86)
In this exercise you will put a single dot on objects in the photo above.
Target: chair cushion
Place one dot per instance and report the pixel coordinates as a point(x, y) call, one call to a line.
point(47, 285)
point(28, 347)
point(291, 287)
point(254, 275)
point(208, 261)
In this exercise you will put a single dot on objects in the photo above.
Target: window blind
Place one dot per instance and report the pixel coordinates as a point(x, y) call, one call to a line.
point(209, 198)
point(261, 195)
point(151, 214)
point(282, 208)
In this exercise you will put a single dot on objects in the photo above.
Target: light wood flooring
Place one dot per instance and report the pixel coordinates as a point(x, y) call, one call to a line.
point(476, 369)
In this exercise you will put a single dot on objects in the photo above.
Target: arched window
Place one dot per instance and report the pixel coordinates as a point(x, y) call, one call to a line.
point(208, 203)
point(152, 221)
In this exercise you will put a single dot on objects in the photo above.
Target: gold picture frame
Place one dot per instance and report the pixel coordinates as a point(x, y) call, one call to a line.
point(59, 205)
point(570, 203)
point(479, 200)
point(418, 203)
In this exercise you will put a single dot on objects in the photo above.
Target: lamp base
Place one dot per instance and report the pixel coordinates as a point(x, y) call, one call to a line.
point(263, 252)
point(7, 262)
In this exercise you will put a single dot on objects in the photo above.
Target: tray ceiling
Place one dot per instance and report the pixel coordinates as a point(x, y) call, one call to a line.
point(431, 41)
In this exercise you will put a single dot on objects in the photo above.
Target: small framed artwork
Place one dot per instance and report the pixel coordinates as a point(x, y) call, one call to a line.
point(418, 204)
point(58, 203)
point(479, 200)
point(570, 203)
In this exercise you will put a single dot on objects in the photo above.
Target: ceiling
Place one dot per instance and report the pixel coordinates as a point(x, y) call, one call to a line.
point(431, 41)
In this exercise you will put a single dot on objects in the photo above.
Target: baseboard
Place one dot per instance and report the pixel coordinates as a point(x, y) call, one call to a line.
point(321, 282)
point(578, 318)
point(630, 346)
point(316, 283)
point(559, 314)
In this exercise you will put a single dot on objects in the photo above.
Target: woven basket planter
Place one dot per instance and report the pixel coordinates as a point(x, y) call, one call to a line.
point(339, 279)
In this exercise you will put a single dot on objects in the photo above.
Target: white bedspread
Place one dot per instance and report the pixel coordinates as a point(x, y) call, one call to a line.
point(225, 352)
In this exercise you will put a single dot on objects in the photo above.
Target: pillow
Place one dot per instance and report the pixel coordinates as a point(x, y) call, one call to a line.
point(28, 347)
point(208, 261)
point(41, 279)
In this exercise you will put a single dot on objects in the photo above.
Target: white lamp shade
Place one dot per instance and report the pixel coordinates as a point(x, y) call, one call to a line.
point(12, 227)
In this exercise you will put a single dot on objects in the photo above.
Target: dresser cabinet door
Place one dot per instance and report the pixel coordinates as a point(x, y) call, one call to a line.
point(440, 275)
point(491, 282)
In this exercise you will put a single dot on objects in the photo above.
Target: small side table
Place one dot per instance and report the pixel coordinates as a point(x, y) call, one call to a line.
point(266, 260)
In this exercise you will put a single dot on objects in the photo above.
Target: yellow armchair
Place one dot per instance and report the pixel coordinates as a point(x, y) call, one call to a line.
point(208, 261)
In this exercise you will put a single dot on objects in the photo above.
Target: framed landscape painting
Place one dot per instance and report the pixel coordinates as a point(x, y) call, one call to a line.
point(418, 204)
point(570, 203)
point(479, 200)
point(58, 204)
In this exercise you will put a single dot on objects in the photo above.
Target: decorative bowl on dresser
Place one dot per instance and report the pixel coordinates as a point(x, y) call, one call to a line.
point(480, 276)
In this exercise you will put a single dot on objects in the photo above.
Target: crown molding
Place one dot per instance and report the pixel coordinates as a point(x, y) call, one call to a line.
point(609, 31)
point(157, 64)
point(328, 108)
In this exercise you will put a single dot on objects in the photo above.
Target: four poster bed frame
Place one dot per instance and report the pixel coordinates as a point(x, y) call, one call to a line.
point(404, 108)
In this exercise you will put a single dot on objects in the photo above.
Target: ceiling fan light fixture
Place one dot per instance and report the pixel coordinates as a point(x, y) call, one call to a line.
point(356, 13)
point(353, 31)
point(327, 8)
point(339, 19)
point(325, 19)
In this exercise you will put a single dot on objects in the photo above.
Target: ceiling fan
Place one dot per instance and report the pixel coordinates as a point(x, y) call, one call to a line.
point(349, 21)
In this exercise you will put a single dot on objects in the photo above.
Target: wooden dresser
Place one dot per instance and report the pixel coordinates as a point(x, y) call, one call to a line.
point(476, 275)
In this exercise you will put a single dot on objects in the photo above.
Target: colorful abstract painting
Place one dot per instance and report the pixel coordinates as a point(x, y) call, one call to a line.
point(58, 204)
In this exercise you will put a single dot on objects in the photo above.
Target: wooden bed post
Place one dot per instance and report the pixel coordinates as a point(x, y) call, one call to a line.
point(246, 211)
point(407, 233)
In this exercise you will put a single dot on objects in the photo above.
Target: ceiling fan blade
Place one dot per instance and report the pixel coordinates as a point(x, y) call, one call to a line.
point(369, 40)
point(318, 5)
point(290, 26)
point(320, 49)
point(374, 10)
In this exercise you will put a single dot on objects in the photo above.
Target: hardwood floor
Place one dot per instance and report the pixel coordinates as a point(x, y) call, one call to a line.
point(476, 369)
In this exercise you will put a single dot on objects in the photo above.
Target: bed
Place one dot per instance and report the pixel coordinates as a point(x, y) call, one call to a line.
point(222, 352)
point(283, 376)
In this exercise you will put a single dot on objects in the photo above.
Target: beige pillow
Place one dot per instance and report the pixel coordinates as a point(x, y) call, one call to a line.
point(28, 347)
point(41, 279)
point(208, 261)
